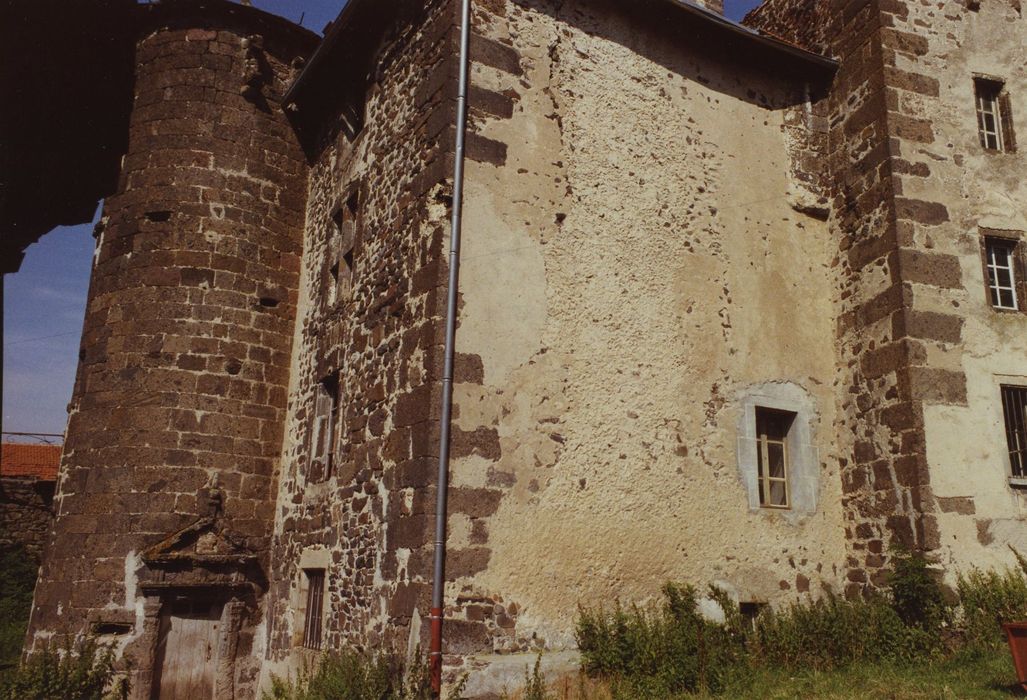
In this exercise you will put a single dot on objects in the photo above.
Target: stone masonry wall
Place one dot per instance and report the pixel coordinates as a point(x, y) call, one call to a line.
point(882, 105)
point(380, 338)
point(371, 518)
point(26, 514)
point(185, 353)
point(627, 282)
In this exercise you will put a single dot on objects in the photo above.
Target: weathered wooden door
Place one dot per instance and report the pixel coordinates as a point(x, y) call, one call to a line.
point(187, 650)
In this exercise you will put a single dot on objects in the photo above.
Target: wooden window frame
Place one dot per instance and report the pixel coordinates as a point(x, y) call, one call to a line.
point(992, 101)
point(343, 242)
point(325, 429)
point(763, 443)
point(313, 612)
point(1015, 241)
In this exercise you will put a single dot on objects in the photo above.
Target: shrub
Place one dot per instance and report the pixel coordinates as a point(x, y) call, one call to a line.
point(664, 651)
point(84, 671)
point(830, 633)
point(988, 599)
point(351, 675)
point(916, 595)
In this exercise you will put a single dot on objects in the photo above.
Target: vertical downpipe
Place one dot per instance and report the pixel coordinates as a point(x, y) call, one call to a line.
point(439, 576)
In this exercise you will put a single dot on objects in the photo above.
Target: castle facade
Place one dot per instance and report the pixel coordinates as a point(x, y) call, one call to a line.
point(738, 304)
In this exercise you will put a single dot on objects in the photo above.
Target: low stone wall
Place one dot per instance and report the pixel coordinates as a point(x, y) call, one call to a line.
point(26, 513)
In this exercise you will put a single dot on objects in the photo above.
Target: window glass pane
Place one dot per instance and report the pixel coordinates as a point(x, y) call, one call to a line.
point(1006, 299)
point(776, 457)
point(1003, 276)
point(778, 494)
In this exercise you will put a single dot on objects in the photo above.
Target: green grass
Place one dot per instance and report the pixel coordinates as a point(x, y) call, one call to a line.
point(987, 675)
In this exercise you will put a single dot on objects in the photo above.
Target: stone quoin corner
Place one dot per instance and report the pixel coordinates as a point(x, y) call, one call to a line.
point(737, 303)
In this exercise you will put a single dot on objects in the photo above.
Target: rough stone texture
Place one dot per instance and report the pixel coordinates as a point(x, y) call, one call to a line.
point(26, 514)
point(187, 338)
point(383, 338)
point(656, 232)
point(914, 189)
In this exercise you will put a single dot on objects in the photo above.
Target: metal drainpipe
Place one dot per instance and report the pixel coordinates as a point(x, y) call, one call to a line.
point(439, 580)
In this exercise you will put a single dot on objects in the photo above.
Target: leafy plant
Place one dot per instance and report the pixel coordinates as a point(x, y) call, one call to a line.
point(831, 633)
point(916, 594)
point(663, 651)
point(352, 675)
point(988, 599)
point(82, 671)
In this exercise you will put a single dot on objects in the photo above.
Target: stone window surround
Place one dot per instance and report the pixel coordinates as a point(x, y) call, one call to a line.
point(315, 557)
point(804, 461)
point(1003, 380)
point(1019, 240)
point(1004, 115)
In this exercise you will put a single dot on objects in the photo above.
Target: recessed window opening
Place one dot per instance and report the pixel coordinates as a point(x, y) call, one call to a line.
point(772, 456)
point(315, 607)
point(1001, 257)
point(1014, 410)
point(989, 113)
point(324, 437)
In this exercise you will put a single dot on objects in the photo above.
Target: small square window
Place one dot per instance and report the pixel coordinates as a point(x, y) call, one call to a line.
point(772, 457)
point(994, 115)
point(313, 616)
point(1000, 260)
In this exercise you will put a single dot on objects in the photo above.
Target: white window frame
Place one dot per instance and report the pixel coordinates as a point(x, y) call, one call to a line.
point(987, 93)
point(996, 290)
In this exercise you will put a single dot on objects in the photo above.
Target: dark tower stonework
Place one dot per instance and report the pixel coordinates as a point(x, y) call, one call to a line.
point(165, 498)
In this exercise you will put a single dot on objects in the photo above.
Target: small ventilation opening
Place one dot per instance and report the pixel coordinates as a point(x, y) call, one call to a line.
point(111, 628)
point(158, 216)
point(751, 611)
point(269, 302)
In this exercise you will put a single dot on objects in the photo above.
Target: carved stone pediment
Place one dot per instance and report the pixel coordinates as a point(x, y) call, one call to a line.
point(203, 542)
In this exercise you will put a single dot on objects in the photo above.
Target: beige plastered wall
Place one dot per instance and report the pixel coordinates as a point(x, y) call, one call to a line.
point(630, 273)
point(966, 445)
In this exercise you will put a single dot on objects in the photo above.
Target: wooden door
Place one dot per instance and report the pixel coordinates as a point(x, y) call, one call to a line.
point(187, 650)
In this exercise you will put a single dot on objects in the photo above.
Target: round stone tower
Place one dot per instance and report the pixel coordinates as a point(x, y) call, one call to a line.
point(165, 500)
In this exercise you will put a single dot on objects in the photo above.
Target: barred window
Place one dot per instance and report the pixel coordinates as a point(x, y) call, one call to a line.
point(1014, 409)
point(772, 457)
point(315, 608)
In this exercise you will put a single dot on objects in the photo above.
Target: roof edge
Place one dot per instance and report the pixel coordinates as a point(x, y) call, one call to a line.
point(775, 43)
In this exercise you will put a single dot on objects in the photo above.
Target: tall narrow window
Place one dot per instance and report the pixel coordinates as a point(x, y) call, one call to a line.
point(323, 442)
point(315, 608)
point(1014, 409)
point(341, 251)
point(1000, 260)
point(989, 113)
point(772, 458)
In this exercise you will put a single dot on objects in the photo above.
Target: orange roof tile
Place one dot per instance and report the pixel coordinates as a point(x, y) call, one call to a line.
point(30, 461)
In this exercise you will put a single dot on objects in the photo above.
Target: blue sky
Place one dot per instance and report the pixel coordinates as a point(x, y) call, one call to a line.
point(45, 301)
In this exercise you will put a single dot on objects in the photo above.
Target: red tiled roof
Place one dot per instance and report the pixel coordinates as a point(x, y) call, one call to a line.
point(30, 461)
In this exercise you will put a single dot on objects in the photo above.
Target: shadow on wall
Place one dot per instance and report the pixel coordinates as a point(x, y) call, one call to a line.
point(678, 40)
